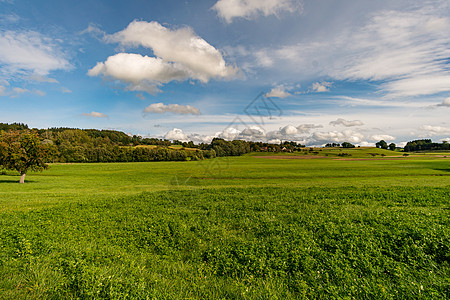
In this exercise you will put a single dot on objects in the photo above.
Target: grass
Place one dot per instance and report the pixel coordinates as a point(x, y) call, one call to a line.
point(229, 228)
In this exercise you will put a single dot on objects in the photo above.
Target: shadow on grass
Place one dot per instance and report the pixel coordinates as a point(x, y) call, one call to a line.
point(14, 181)
point(445, 170)
point(8, 181)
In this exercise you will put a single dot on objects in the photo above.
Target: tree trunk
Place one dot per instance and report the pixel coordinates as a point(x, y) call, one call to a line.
point(22, 178)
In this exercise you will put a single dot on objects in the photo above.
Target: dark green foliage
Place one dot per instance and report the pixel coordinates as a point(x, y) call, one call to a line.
point(382, 144)
point(347, 145)
point(13, 126)
point(344, 154)
point(228, 148)
point(22, 151)
point(426, 144)
point(329, 145)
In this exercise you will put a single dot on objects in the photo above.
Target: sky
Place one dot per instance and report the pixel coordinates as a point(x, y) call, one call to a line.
point(314, 72)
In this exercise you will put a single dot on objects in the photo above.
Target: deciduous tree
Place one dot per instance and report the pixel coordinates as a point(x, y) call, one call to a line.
point(382, 144)
point(22, 151)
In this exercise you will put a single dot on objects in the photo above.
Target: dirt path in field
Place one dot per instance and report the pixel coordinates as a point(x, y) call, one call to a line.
point(355, 159)
point(378, 158)
point(395, 157)
point(289, 157)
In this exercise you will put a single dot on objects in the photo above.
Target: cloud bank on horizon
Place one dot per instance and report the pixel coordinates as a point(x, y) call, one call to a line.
point(351, 71)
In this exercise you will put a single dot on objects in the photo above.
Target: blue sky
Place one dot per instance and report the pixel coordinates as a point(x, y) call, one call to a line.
point(324, 71)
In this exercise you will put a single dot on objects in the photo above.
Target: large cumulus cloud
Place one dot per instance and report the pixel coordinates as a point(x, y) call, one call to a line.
point(180, 55)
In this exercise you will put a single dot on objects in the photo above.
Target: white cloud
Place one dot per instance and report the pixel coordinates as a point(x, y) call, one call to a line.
point(274, 141)
point(278, 92)
point(95, 114)
point(252, 133)
point(180, 55)
point(141, 73)
point(289, 130)
point(176, 134)
point(337, 136)
point(199, 138)
point(249, 9)
point(320, 87)
point(257, 133)
point(379, 137)
point(446, 102)
point(230, 133)
point(160, 108)
point(65, 90)
point(30, 53)
point(306, 128)
point(433, 130)
point(346, 123)
point(2, 90)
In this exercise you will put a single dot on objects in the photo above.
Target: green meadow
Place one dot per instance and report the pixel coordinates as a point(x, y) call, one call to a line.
point(321, 226)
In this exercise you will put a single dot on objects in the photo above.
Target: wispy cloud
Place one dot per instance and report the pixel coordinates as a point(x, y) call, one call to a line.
point(320, 87)
point(403, 53)
point(434, 130)
point(278, 92)
point(66, 90)
point(9, 18)
point(409, 50)
point(160, 108)
point(16, 92)
point(250, 9)
point(346, 100)
point(346, 123)
point(40, 78)
point(30, 53)
point(95, 114)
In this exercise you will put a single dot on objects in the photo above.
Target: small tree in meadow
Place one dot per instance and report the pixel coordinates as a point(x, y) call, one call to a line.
point(382, 144)
point(22, 151)
point(347, 145)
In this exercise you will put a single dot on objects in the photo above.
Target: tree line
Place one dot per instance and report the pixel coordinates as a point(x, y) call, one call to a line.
point(425, 144)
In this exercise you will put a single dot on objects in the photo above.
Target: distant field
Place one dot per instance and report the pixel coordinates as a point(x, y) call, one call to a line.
point(241, 228)
point(175, 147)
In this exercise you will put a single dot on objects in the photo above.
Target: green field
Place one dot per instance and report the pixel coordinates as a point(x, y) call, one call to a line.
point(368, 227)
